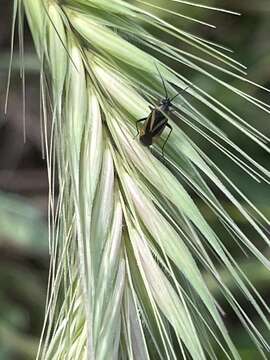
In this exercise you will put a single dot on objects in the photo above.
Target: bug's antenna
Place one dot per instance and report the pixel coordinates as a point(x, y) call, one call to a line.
point(162, 80)
point(180, 92)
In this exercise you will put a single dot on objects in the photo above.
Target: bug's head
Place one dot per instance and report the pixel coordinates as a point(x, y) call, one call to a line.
point(166, 104)
point(146, 139)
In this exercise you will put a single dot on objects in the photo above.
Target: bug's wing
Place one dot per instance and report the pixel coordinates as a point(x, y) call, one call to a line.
point(148, 125)
point(159, 126)
point(152, 120)
point(155, 123)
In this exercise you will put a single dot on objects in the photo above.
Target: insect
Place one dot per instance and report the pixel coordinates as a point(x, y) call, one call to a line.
point(156, 121)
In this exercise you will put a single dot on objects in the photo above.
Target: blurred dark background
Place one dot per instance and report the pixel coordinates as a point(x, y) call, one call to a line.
point(23, 177)
point(23, 204)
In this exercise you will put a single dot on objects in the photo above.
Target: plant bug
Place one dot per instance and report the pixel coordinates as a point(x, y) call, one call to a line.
point(156, 121)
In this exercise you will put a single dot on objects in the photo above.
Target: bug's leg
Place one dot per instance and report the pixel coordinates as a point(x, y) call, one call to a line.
point(143, 119)
point(163, 146)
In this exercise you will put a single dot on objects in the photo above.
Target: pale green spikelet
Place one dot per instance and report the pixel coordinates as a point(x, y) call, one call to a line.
point(130, 249)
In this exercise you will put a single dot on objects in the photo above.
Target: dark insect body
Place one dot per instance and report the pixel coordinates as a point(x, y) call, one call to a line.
point(156, 121)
